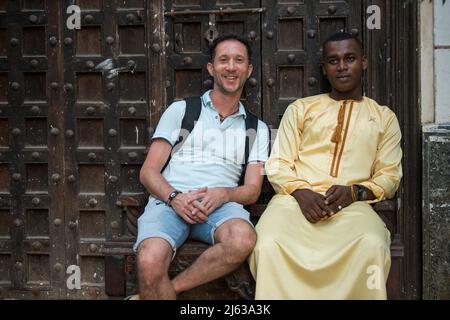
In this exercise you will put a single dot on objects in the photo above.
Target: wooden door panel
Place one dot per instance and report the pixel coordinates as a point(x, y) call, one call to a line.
point(31, 149)
point(107, 80)
point(293, 33)
point(187, 52)
point(392, 79)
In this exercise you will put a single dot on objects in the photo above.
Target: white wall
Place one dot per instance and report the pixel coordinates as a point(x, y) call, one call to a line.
point(427, 91)
point(442, 60)
point(435, 61)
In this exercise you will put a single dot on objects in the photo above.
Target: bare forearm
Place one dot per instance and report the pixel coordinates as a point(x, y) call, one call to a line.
point(156, 184)
point(246, 194)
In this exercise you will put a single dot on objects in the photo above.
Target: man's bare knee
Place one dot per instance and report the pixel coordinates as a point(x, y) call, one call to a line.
point(239, 239)
point(153, 257)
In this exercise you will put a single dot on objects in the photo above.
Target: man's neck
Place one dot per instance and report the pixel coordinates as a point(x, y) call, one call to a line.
point(353, 95)
point(225, 104)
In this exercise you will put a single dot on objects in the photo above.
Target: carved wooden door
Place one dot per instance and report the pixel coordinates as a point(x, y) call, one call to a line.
point(106, 76)
point(77, 107)
point(32, 253)
point(74, 122)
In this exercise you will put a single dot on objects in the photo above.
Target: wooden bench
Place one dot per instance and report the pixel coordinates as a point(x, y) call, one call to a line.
point(120, 261)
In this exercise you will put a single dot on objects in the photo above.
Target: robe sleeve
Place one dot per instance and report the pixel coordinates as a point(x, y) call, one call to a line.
point(280, 167)
point(387, 167)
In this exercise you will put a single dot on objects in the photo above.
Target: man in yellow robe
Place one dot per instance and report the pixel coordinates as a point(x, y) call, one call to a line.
point(334, 154)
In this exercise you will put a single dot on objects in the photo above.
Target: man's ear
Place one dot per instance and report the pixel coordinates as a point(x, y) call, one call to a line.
point(250, 70)
point(323, 70)
point(365, 62)
point(210, 69)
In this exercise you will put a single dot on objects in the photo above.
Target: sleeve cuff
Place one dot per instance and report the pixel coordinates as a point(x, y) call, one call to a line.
point(289, 188)
point(376, 190)
point(164, 137)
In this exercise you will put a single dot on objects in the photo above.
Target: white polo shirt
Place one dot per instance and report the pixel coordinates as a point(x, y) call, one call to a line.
point(214, 152)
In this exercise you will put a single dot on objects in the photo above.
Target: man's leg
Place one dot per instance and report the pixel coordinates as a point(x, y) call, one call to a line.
point(153, 260)
point(234, 240)
point(160, 232)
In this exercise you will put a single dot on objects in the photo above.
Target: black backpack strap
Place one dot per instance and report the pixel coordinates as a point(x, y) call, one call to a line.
point(191, 115)
point(251, 128)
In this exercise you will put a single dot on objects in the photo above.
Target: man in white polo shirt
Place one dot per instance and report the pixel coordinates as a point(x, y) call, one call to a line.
point(198, 195)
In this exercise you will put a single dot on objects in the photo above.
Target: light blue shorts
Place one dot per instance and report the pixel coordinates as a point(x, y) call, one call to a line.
point(161, 221)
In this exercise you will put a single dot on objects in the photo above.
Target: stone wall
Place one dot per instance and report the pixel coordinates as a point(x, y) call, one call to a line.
point(436, 211)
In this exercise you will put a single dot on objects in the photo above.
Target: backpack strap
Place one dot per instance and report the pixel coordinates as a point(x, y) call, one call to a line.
point(191, 115)
point(251, 128)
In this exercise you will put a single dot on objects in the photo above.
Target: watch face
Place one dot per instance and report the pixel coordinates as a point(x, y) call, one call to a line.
point(361, 193)
point(364, 195)
point(171, 197)
point(173, 194)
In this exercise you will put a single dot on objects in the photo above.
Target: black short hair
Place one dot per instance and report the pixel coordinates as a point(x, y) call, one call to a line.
point(229, 36)
point(340, 36)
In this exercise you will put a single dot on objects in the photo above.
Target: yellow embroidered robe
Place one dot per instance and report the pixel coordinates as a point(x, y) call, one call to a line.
point(346, 256)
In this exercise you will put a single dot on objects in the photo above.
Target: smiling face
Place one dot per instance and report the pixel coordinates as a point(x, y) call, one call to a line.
point(230, 67)
point(343, 64)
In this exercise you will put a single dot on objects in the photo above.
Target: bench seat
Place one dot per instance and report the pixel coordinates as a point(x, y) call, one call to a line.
point(120, 261)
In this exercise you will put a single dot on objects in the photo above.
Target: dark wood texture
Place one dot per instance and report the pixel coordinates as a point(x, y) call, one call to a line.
point(107, 80)
point(293, 33)
point(392, 79)
point(30, 152)
point(74, 119)
point(188, 50)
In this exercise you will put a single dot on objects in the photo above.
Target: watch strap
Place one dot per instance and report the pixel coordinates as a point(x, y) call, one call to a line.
point(172, 196)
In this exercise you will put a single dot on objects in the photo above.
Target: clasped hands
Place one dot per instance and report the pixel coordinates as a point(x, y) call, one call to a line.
point(195, 206)
point(316, 207)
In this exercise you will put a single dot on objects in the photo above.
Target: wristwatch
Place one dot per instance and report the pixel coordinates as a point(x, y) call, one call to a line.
point(172, 196)
point(361, 192)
